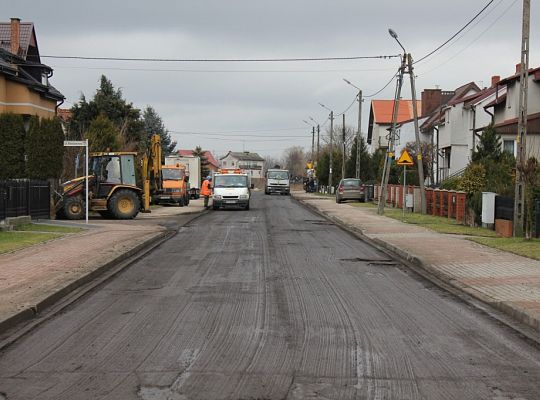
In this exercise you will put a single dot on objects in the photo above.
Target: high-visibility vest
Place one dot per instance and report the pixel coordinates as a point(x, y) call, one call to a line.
point(205, 188)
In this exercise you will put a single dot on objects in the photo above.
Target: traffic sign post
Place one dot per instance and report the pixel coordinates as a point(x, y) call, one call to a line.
point(405, 159)
point(82, 143)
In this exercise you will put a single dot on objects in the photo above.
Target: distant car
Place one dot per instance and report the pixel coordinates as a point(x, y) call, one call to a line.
point(350, 189)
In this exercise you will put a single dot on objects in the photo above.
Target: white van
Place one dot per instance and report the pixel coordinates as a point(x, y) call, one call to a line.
point(231, 189)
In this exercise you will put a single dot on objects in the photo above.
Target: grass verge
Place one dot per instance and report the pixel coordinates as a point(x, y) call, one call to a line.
point(523, 247)
point(47, 228)
point(10, 241)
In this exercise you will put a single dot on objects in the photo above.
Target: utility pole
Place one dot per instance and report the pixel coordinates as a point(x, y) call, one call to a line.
point(331, 149)
point(318, 142)
point(521, 139)
point(343, 150)
point(313, 145)
point(359, 135)
point(419, 162)
point(390, 152)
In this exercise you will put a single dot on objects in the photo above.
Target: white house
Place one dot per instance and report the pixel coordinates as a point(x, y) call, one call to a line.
point(251, 163)
point(505, 112)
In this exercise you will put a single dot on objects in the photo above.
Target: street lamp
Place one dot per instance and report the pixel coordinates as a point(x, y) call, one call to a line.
point(358, 133)
point(394, 35)
point(331, 145)
point(406, 63)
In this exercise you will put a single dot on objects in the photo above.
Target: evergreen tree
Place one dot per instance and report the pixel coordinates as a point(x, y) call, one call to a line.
point(365, 161)
point(109, 102)
point(44, 148)
point(12, 134)
point(153, 124)
point(103, 135)
point(489, 146)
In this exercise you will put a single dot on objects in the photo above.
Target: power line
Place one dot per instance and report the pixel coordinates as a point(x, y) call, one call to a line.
point(217, 71)
point(239, 131)
point(384, 87)
point(221, 59)
point(474, 40)
point(457, 33)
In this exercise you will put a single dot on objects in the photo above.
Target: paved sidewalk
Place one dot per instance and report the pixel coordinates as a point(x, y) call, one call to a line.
point(37, 274)
point(508, 282)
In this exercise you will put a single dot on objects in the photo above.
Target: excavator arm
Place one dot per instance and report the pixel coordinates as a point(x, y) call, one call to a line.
point(151, 170)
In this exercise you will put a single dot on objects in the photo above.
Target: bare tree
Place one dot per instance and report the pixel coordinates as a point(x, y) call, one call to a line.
point(295, 160)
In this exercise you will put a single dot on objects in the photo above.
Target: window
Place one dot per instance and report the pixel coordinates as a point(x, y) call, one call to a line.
point(224, 163)
point(508, 146)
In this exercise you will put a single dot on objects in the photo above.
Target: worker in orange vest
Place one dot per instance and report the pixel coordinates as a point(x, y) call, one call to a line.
point(206, 190)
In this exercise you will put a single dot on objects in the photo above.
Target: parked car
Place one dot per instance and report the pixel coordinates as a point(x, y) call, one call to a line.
point(350, 189)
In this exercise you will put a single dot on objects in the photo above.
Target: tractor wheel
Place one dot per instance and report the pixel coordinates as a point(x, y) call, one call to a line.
point(73, 208)
point(124, 204)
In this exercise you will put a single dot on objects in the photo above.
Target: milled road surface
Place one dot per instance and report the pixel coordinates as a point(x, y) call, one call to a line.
point(271, 303)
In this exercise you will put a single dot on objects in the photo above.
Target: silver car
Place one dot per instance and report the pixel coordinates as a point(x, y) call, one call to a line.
point(350, 189)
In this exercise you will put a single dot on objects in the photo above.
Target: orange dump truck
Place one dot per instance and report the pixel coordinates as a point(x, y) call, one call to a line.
point(174, 186)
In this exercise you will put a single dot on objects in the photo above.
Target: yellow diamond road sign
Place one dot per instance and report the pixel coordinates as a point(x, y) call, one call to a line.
point(405, 159)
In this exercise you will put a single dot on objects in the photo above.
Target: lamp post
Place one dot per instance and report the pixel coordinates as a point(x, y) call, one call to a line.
point(358, 133)
point(406, 67)
point(331, 145)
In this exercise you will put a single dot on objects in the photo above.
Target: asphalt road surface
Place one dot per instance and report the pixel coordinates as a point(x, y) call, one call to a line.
point(271, 303)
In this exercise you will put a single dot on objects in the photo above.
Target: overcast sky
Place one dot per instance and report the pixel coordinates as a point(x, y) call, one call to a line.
point(260, 106)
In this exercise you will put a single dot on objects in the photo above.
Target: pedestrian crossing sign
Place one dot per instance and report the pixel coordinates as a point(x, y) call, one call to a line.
point(405, 159)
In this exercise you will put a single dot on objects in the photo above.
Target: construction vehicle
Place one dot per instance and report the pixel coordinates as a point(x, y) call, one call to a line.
point(174, 188)
point(113, 190)
point(193, 172)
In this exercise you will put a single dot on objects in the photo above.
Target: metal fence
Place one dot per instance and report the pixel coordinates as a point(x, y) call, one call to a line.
point(25, 197)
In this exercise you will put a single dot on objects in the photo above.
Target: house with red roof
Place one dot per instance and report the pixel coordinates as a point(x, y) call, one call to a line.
point(213, 164)
point(380, 120)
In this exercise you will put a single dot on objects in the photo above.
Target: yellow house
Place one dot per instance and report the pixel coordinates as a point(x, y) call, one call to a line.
point(24, 80)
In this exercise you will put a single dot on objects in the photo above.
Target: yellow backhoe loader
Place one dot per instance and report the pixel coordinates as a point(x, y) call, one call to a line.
point(113, 190)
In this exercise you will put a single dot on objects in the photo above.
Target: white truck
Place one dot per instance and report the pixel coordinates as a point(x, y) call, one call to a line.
point(232, 188)
point(193, 170)
point(277, 181)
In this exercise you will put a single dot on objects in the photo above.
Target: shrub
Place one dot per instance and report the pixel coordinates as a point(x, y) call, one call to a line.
point(12, 164)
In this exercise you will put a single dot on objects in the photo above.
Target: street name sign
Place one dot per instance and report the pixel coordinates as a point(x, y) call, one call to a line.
point(74, 142)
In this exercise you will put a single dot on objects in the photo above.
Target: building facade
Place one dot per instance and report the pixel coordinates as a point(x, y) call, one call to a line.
point(250, 163)
point(25, 88)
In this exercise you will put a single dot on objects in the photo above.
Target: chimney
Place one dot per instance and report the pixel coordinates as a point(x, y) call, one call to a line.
point(518, 68)
point(431, 99)
point(494, 80)
point(15, 35)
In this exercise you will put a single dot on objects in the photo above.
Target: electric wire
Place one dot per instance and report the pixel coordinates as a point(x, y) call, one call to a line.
point(216, 70)
point(294, 59)
point(471, 27)
point(455, 34)
point(505, 11)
